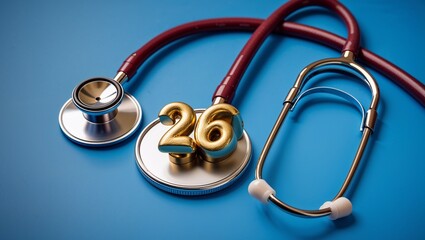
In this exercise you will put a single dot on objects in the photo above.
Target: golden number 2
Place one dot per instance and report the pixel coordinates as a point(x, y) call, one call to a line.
point(216, 132)
point(176, 139)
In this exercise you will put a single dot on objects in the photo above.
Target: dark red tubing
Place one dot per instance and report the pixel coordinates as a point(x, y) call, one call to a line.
point(407, 82)
point(230, 82)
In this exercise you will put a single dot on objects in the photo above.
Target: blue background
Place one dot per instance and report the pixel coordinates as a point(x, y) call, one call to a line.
point(51, 188)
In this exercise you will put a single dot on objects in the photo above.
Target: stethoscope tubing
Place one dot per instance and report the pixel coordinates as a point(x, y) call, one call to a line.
point(230, 82)
point(400, 77)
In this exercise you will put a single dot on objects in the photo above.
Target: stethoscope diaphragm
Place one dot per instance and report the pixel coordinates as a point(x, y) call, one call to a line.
point(198, 177)
point(100, 113)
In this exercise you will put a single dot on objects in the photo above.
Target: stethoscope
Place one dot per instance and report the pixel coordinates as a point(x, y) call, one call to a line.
point(339, 206)
point(100, 113)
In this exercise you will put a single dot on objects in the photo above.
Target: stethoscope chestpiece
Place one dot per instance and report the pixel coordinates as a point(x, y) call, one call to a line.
point(194, 152)
point(98, 97)
point(100, 113)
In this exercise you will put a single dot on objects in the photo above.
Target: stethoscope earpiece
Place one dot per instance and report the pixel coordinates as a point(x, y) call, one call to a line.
point(339, 206)
point(100, 113)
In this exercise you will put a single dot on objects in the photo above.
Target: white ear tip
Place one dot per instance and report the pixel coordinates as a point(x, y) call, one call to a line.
point(260, 190)
point(340, 208)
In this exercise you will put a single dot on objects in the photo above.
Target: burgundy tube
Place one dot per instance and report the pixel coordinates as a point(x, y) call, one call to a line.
point(135, 60)
point(132, 63)
point(407, 82)
point(228, 85)
point(400, 77)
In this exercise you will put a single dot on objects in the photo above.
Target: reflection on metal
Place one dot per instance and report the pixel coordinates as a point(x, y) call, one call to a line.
point(218, 130)
point(121, 77)
point(98, 96)
point(79, 129)
point(97, 93)
point(261, 190)
point(182, 120)
point(197, 177)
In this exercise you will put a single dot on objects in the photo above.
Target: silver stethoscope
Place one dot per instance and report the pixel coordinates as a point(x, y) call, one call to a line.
point(339, 206)
point(100, 113)
point(199, 151)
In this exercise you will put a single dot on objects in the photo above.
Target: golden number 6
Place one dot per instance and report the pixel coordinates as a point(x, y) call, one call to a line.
point(218, 130)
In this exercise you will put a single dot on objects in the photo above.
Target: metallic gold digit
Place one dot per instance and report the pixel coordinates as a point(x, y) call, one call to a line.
point(176, 140)
point(218, 130)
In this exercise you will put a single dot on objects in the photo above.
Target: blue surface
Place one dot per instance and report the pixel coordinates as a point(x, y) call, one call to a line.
point(51, 188)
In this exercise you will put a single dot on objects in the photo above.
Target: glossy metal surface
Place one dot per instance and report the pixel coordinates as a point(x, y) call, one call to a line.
point(195, 178)
point(345, 63)
point(182, 119)
point(350, 98)
point(121, 77)
point(82, 131)
point(218, 100)
point(98, 96)
point(97, 92)
point(342, 64)
point(218, 130)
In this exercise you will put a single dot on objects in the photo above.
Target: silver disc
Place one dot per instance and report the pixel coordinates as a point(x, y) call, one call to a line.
point(77, 128)
point(197, 178)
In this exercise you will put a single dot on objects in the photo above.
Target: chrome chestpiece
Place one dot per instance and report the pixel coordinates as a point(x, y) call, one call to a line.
point(100, 113)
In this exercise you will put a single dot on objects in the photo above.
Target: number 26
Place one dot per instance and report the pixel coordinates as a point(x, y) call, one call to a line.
point(215, 133)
